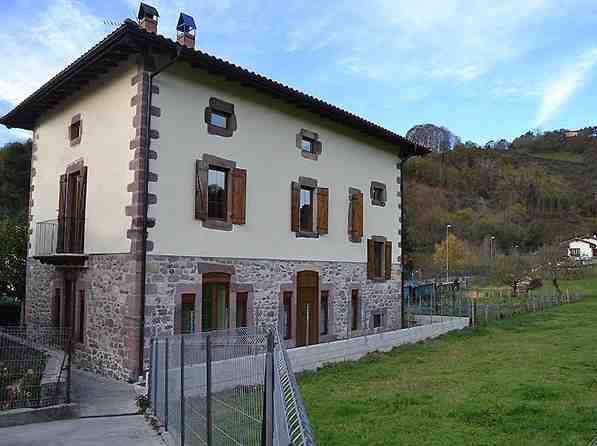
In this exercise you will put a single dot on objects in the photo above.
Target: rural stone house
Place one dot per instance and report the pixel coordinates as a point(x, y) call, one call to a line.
point(582, 248)
point(262, 205)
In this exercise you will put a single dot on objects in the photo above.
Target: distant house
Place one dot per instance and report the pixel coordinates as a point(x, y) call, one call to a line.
point(571, 134)
point(583, 248)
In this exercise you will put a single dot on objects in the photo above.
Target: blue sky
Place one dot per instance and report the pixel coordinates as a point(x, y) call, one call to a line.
point(484, 69)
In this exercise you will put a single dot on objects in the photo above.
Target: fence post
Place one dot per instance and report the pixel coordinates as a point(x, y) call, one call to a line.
point(208, 389)
point(267, 437)
point(150, 377)
point(182, 390)
point(166, 358)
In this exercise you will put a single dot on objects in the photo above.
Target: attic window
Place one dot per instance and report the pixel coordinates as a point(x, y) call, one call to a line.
point(378, 193)
point(74, 130)
point(220, 118)
point(309, 144)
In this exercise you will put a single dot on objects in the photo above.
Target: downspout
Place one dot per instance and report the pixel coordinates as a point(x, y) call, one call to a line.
point(147, 135)
point(402, 226)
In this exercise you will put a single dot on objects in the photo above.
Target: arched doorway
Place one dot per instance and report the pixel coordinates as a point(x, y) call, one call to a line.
point(307, 313)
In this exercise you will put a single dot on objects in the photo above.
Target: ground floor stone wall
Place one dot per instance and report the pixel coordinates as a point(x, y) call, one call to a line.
point(170, 276)
point(105, 282)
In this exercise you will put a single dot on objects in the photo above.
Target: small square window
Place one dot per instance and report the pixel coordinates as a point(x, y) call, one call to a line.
point(75, 130)
point(307, 144)
point(219, 119)
point(377, 194)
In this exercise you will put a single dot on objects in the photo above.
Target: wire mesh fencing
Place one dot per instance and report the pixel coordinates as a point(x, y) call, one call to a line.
point(212, 388)
point(34, 366)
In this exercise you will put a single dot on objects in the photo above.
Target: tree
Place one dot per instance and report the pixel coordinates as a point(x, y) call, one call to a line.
point(13, 256)
point(15, 171)
point(458, 255)
point(510, 271)
point(551, 262)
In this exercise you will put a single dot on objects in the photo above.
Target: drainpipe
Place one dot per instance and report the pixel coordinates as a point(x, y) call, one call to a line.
point(402, 226)
point(148, 95)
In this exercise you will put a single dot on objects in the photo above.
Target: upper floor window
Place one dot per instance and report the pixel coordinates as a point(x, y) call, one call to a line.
point(575, 252)
point(378, 193)
point(379, 258)
point(220, 193)
point(216, 193)
point(309, 144)
point(75, 129)
point(220, 118)
point(306, 221)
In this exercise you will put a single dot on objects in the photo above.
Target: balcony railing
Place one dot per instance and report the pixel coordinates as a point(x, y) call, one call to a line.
point(59, 236)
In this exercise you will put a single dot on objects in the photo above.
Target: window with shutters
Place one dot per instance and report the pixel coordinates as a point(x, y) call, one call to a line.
point(309, 208)
point(379, 258)
point(71, 210)
point(220, 193)
point(75, 129)
point(220, 118)
point(309, 144)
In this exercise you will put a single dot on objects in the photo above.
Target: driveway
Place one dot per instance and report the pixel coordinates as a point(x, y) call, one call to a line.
point(99, 396)
point(109, 431)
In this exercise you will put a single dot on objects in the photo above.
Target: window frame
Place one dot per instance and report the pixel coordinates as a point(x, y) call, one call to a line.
point(223, 108)
point(377, 186)
point(227, 174)
point(237, 299)
point(76, 122)
point(205, 164)
point(311, 226)
point(324, 312)
point(316, 144)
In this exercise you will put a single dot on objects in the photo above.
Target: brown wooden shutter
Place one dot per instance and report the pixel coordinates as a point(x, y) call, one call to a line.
point(80, 210)
point(317, 147)
point(370, 259)
point(295, 197)
point(200, 190)
point(61, 213)
point(322, 209)
point(239, 196)
point(388, 260)
point(356, 216)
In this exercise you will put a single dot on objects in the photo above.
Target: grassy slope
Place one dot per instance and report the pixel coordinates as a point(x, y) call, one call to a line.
point(527, 381)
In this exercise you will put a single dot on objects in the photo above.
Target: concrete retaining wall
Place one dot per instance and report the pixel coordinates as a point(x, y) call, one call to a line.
point(315, 356)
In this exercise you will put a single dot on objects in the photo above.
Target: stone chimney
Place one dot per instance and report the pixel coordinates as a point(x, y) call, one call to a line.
point(148, 18)
point(185, 30)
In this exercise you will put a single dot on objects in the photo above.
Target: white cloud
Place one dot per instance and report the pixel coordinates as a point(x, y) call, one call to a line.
point(560, 91)
point(37, 46)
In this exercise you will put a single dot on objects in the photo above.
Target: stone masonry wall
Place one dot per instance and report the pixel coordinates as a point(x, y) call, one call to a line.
point(107, 281)
point(167, 275)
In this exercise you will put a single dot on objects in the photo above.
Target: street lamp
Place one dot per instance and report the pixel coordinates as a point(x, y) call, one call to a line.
point(492, 247)
point(447, 250)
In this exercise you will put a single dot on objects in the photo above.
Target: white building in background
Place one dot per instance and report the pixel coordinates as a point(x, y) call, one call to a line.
point(583, 248)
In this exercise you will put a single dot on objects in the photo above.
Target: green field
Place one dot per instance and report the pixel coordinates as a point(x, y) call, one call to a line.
point(531, 380)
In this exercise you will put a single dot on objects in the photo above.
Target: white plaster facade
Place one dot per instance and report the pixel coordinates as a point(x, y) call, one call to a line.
point(106, 131)
point(264, 145)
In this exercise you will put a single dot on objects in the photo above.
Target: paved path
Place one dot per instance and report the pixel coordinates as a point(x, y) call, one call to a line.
point(98, 396)
point(110, 431)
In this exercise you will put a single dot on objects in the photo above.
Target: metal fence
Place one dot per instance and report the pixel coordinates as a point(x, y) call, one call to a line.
point(35, 366)
point(484, 313)
point(230, 387)
point(431, 303)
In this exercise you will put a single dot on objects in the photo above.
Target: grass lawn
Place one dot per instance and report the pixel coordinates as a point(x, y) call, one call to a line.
point(531, 380)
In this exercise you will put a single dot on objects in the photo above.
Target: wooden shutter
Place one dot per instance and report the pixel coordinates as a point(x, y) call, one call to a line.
point(295, 196)
point(239, 196)
point(388, 260)
point(317, 147)
point(61, 213)
point(370, 259)
point(80, 211)
point(322, 209)
point(356, 216)
point(200, 190)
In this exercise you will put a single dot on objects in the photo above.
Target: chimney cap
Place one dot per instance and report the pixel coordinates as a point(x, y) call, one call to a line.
point(146, 10)
point(186, 23)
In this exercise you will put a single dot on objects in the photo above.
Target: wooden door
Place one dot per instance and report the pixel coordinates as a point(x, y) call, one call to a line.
point(307, 314)
point(215, 305)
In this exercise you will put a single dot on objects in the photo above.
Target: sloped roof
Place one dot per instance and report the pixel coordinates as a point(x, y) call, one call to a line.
point(130, 39)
